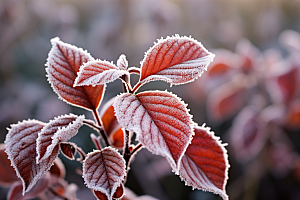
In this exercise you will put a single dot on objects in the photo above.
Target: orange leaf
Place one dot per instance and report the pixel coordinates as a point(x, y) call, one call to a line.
point(205, 163)
point(63, 63)
point(176, 60)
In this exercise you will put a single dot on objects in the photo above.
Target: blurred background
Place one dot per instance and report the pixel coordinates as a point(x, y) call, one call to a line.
point(249, 96)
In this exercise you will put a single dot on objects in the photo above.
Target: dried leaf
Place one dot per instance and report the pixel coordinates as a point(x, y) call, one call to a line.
point(21, 150)
point(160, 120)
point(104, 171)
point(98, 72)
point(122, 63)
point(63, 63)
point(176, 60)
point(68, 149)
point(111, 125)
point(15, 192)
point(7, 173)
point(61, 129)
point(205, 163)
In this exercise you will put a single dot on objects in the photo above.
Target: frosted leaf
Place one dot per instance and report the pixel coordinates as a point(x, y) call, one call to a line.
point(15, 192)
point(61, 129)
point(63, 63)
point(7, 173)
point(98, 72)
point(111, 125)
point(104, 171)
point(122, 63)
point(21, 150)
point(119, 193)
point(205, 163)
point(68, 149)
point(160, 120)
point(176, 60)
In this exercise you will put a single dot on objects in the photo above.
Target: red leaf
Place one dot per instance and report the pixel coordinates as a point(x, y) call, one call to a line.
point(58, 169)
point(61, 129)
point(160, 120)
point(247, 134)
point(7, 173)
point(111, 125)
point(99, 195)
point(98, 72)
point(21, 150)
point(227, 100)
point(176, 60)
point(104, 171)
point(15, 192)
point(119, 193)
point(63, 63)
point(205, 164)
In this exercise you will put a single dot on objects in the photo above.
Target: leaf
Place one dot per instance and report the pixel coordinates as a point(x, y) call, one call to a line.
point(176, 60)
point(160, 120)
point(63, 63)
point(104, 171)
point(7, 173)
point(15, 192)
point(61, 129)
point(111, 125)
point(205, 163)
point(122, 63)
point(21, 150)
point(117, 195)
point(58, 169)
point(68, 149)
point(98, 72)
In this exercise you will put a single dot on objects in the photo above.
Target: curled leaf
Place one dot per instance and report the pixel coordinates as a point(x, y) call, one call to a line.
point(98, 72)
point(61, 129)
point(68, 149)
point(104, 171)
point(205, 163)
point(21, 150)
point(160, 120)
point(63, 63)
point(176, 60)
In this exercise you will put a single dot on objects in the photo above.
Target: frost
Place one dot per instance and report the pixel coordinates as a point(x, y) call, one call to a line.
point(21, 150)
point(98, 72)
point(122, 63)
point(205, 163)
point(104, 171)
point(61, 129)
point(63, 63)
point(160, 120)
point(176, 59)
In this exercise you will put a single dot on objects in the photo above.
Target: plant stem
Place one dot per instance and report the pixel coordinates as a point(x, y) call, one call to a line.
point(136, 87)
point(134, 70)
point(91, 124)
point(102, 132)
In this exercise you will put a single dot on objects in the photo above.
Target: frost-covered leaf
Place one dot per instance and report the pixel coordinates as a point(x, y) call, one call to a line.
point(122, 63)
point(117, 195)
point(176, 60)
point(104, 171)
point(111, 125)
point(68, 149)
point(61, 129)
point(98, 72)
point(21, 150)
point(63, 63)
point(15, 192)
point(205, 163)
point(7, 173)
point(160, 120)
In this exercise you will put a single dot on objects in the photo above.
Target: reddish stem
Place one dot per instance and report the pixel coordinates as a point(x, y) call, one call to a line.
point(136, 87)
point(102, 132)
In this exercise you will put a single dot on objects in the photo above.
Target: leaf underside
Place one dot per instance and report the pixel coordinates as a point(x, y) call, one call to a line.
point(98, 72)
point(63, 63)
point(104, 171)
point(21, 150)
point(176, 60)
point(61, 129)
point(160, 120)
point(205, 163)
